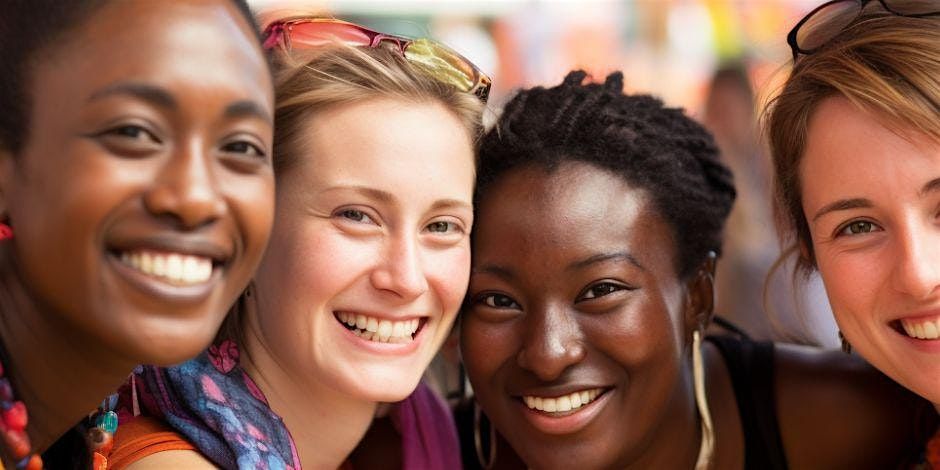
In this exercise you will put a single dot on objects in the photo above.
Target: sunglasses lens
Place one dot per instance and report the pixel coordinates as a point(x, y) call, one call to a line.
point(316, 34)
point(914, 7)
point(442, 63)
point(826, 22)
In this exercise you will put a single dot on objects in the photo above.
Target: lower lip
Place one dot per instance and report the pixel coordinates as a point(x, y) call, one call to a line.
point(569, 423)
point(168, 292)
point(385, 349)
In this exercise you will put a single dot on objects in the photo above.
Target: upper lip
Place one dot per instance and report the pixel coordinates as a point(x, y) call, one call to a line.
point(920, 315)
point(187, 244)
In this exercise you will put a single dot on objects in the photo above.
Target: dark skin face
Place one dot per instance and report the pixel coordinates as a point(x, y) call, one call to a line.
point(574, 288)
point(150, 137)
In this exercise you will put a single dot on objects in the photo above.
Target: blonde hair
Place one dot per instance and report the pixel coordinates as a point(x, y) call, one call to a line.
point(885, 64)
point(307, 82)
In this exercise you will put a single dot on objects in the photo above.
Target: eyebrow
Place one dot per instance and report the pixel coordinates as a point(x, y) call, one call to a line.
point(495, 270)
point(160, 97)
point(245, 108)
point(842, 205)
point(446, 203)
point(149, 93)
point(377, 194)
point(604, 257)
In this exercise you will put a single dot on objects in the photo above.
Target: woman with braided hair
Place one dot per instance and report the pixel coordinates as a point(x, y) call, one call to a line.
point(599, 223)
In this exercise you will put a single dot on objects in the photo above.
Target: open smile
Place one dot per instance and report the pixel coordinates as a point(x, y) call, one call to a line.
point(564, 414)
point(381, 330)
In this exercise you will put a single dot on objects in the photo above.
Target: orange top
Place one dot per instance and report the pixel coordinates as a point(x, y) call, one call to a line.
point(143, 436)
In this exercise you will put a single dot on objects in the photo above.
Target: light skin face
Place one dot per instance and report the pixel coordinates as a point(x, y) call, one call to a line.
point(574, 288)
point(872, 199)
point(372, 221)
point(149, 135)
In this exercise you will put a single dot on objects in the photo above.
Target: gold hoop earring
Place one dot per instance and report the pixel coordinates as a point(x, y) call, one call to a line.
point(707, 448)
point(478, 441)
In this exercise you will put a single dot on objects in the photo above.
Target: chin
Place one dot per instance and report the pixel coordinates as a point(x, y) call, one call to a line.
point(386, 389)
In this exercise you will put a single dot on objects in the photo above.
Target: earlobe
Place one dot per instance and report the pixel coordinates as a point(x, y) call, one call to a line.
point(701, 294)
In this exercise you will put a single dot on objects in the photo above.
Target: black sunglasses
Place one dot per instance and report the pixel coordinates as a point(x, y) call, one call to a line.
point(826, 21)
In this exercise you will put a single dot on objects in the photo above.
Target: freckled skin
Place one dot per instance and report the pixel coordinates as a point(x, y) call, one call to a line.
point(880, 260)
point(533, 226)
point(101, 170)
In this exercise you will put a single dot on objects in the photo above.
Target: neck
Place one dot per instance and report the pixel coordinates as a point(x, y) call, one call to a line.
point(46, 356)
point(324, 423)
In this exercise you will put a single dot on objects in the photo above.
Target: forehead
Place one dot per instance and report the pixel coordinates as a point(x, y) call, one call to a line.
point(569, 214)
point(206, 43)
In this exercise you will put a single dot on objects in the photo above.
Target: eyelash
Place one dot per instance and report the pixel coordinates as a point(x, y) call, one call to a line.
point(484, 299)
point(356, 215)
point(252, 150)
point(613, 287)
point(845, 230)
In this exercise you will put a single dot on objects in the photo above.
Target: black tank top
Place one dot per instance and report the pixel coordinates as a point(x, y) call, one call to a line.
point(751, 366)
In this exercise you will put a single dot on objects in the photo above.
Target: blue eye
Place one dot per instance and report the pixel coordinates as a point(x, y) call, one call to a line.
point(441, 227)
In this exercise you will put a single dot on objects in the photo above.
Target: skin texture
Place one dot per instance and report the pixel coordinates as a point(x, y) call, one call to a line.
point(555, 296)
point(553, 326)
point(374, 219)
point(878, 252)
point(151, 133)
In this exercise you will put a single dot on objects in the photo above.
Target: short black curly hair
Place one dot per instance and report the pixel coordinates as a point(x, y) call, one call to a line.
point(650, 146)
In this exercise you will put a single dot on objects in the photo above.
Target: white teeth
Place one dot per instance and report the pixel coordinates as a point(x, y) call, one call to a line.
point(924, 330)
point(384, 331)
point(563, 403)
point(174, 267)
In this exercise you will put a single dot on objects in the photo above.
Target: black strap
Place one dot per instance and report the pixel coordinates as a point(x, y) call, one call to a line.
point(751, 366)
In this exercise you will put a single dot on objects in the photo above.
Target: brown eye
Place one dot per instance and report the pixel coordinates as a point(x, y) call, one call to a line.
point(600, 290)
point(499, 301)
point(859, 227)
point(244, 148)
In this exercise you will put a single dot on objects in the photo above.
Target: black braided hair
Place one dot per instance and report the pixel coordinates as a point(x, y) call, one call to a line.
point(652, 147)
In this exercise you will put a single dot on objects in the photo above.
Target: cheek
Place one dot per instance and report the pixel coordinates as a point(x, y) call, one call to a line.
point(251, 201)
point(448, 271)
point(852, 280)
point(484, 347)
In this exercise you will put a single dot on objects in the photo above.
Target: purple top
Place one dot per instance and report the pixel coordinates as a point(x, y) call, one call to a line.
point(214, 404)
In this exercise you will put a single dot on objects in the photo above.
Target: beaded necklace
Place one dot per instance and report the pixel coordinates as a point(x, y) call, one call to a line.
point(13, 427)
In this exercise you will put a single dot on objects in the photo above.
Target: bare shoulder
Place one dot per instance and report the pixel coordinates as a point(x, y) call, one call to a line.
point(836, 410)
point(189, 459)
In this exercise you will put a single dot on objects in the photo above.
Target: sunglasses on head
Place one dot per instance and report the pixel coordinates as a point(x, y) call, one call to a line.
point(440, 61)
point(826, 21)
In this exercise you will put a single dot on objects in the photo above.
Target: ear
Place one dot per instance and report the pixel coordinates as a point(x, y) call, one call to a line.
point(700, 305)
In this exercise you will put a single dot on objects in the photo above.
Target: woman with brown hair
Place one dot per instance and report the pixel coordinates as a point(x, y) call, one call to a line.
point(855, 139)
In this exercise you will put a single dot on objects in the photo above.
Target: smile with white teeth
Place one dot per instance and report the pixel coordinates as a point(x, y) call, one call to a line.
point(379, 330)
point(922, 329)
point(174, 268)
point(563, 403)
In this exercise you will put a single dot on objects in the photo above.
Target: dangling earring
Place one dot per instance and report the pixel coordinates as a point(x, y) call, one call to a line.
point(6, 232)
point(846, 345)
point(478, 441)
point(707, 448)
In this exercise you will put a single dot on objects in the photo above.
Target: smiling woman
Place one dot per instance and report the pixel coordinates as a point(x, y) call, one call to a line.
point(136, 174)
point(599, 218)
point(367, 267)
point(855, 138)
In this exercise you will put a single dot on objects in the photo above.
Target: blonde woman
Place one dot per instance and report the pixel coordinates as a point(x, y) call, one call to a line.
point(367, 267)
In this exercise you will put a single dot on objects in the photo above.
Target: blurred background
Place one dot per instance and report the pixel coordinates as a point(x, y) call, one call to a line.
point(721, 60)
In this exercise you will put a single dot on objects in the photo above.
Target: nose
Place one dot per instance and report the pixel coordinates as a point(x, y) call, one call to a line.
point(917, 269)
point(400, 272)
point(552, 342)
point(185, 190)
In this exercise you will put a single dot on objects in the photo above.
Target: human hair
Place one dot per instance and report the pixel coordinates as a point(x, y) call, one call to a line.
point(27, 29)
point(307, 82)
point(885, 64)
point(649, 146)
